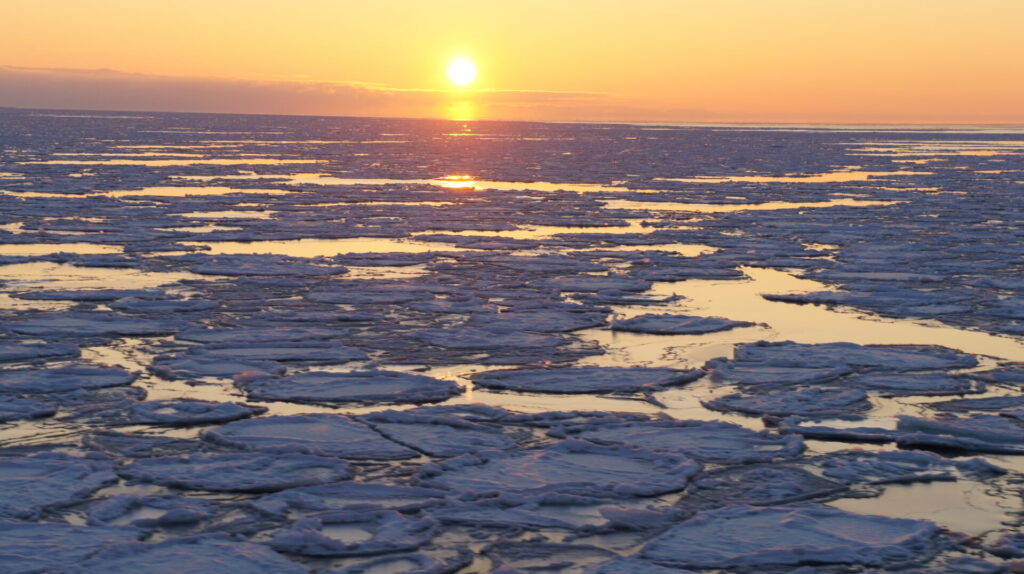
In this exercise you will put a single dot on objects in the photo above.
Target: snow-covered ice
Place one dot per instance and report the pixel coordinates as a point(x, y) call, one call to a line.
point(751, 537)
point(248, 472)
point(585, 379)
point(321, 434)
point(369, 387)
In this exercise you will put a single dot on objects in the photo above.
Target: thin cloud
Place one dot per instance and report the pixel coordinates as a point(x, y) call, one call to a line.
point(103, 89)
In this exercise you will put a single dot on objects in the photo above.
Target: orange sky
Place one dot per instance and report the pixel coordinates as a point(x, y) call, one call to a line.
point(637, 60)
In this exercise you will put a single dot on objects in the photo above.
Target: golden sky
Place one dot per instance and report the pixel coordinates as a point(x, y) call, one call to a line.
point(634, 60)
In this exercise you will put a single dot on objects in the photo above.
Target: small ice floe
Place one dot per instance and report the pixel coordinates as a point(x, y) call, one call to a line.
point(757, 485)
point(84, 325)
point(29, 548)
point(347, 496)
point(513, 557)
point(187, 367)
point(809, 402)
point(32, 484)
point(252, 264)
point(143, 306)
point(707, 441)
point(321, 434)
point(140, 446)
point(614, 297)
point(184, 555)
point(62, 379)
point(452, 304)
point(913, 384)
point(242, 472)
point(14, 352)
point(632, 566)
point(150, 511)
point(665, 324)
point(91, 295)
point(284, 315)
point(981, 433)
point(593, 283)
point(189, 412)
point(1005, 405)
point(539, 321)
point(486, 339)
point(1009, 545)
point(371, 293)
point(19, 409)
point(408, 563)
point(568, 466)
point(519, 513)
point(807, 428)
point(751, 537)
point(438, 435)
point(900, 467)
point(354, 533)
point(585, 379)
point(1009, 375)
point(758, 374)
point(861, 357)
point(369, 387)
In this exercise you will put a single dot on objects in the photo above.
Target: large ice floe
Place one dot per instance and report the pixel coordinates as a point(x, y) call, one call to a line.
point(248, 472)
point(343, 345)
point(33, 548)
point(568, 466)
point(709, 441)
point(320, 434)
point(367, 387)
point(747, 536)
point(42, 381)
point(32, 484)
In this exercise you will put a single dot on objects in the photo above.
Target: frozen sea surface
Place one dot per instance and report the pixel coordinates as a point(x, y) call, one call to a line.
point(378, 346)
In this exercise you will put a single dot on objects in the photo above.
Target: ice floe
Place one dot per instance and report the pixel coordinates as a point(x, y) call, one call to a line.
point(188, 555)
point(706, 441)
point(372, 387)
point(60, 379)
point(28, 548)
point(745, 536)
point(12, 352)
point(439, 435)
point(568, 466)
point(245, 472)
point(348, 496)
point(189, 412)
point(676, 324)
point(32, 484)
point(354, 533)
point(811, 402)
point(321, 434)
point(149, 511)
point(18, 409)
point(585, 379)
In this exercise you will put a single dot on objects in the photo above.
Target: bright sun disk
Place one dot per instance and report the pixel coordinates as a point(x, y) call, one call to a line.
point(461, 71)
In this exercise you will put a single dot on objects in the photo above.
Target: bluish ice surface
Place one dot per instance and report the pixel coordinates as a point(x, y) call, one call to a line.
point(644, 349)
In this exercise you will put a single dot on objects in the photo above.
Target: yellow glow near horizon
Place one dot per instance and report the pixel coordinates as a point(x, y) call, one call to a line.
point(610, 60)
point(461, 71)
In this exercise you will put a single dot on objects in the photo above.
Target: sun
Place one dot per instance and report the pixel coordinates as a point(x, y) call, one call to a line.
point(461, 71)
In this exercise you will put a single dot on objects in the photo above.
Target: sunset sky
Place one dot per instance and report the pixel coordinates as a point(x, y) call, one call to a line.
point(933, 61)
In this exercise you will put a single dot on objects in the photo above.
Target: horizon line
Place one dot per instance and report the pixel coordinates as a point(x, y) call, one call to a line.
point(667, 123)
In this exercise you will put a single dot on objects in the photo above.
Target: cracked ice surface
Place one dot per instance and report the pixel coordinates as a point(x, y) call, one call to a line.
point(617, 327)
